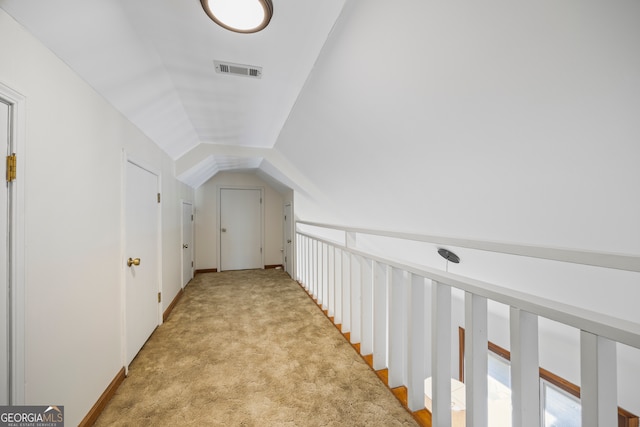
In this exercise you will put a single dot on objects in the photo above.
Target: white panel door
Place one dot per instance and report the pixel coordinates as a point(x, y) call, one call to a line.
point(5, 308)
point(240, 229)
point(187, 243)
point(141, 241)
point(288, 238)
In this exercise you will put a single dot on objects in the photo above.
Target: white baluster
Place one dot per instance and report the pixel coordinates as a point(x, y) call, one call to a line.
point(428, 327)
point(325, 277)
point(356, 300)
point(346, 292)
point(366, 324)
point(311, 266)
point(298, 270)
point(331, 286)
point(416, 345)
point(380, 301)
point(314, 280)
point(525, 371)
point(318, 287)
point(441, 355)
point(307, 261)
point(599, 388)
point(475, 360)
point(398, 311)
point(302, 260)
point(337, 319)
point(299, 259)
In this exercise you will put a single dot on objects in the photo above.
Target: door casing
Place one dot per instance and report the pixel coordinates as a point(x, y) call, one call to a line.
point(15, 228)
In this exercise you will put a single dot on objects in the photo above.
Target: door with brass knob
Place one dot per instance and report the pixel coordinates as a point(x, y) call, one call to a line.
point(142, 312)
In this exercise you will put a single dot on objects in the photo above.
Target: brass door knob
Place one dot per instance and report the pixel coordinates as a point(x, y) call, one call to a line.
point(133, 261)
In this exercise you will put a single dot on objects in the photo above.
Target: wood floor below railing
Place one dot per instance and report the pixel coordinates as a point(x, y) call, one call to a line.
point(422, 417)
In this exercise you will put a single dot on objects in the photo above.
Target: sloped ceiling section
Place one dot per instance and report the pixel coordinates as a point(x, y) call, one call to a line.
point(153, 60)
point(202, 171)
point(196, 165)
point(104, 45)
point(493, 120)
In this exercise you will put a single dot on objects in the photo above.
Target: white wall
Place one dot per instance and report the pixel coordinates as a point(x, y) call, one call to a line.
point(72, 179)
point(514, 122)
point(206, 206)
point(494, 120)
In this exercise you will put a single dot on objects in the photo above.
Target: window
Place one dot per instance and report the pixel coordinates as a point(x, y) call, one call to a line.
point(499, 391)
point(559, 408)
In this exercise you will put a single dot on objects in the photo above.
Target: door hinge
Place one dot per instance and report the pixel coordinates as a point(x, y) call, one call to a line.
point(159, 296)
point(260, 200)
point(11, 167)
point(158, 197)
point(191, 217)
point(191, 263)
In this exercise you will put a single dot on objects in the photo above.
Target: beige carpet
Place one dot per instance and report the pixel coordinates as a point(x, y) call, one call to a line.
point(250, 348)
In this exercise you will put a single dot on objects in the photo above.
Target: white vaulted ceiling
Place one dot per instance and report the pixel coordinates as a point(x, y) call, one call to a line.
point(502, 120)
point(154, 61)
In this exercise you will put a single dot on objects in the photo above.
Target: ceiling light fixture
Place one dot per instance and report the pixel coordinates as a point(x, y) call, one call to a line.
point(241, 16)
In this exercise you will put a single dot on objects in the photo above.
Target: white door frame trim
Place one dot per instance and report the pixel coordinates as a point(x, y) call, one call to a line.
point(219, 189)
point(127, 158)
point(16, 252)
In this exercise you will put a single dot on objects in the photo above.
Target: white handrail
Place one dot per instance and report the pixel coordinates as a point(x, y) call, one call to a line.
point(603, 325)
point(397, 291)
point(618, 261)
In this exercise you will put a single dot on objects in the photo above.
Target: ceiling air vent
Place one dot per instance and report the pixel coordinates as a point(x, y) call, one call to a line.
point(238, 69)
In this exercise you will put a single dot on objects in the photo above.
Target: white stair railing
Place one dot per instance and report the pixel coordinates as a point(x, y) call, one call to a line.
point(401, 314)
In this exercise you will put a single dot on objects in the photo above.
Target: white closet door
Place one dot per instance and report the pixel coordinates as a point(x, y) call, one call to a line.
point(240, 229)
